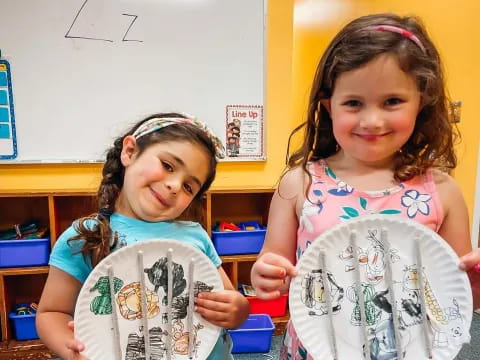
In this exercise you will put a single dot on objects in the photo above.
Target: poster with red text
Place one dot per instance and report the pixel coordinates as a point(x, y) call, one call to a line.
point(244, 138)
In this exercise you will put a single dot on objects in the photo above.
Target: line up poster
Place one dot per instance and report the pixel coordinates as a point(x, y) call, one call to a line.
point(244, 138)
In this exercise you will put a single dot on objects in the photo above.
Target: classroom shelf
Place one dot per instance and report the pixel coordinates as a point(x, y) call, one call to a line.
point(57, 209)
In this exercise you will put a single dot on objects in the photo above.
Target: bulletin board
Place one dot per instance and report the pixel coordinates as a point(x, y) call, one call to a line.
point(84, 71)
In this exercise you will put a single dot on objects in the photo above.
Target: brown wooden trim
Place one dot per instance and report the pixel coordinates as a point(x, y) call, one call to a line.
point(208, 213)
point(243, 190)
point(239, 258)
point(24, 270)
point(3, 311)
point(92, 192)
point(42, 192)
point(52, 220)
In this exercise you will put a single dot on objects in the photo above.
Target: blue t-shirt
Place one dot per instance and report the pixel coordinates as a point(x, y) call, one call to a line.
point(67, 257)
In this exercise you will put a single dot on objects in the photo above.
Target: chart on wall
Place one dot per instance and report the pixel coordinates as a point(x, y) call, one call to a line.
point(8, 141)
point(85, 71)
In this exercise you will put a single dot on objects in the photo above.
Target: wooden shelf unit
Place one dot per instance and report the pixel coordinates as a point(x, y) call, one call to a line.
point(57, 209)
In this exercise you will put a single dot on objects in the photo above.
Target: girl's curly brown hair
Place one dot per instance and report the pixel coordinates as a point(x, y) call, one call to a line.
point(95, 229)
point(432, 141)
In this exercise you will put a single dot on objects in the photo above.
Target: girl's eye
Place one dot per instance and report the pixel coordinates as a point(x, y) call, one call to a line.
point(352, 103)
point(188, 188)
point(167, 166)
point(393, 101)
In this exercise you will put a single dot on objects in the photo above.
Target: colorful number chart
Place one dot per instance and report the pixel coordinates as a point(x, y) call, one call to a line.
point(8, 141)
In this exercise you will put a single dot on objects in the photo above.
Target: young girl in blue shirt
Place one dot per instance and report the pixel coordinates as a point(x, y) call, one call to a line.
point(153, 179)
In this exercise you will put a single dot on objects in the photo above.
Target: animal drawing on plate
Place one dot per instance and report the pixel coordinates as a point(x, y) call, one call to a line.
point(180, 337)
point(372, 258)
point(102, 304)
point(128, 300)
point(378, 319)
point(446, 323)
point(136, 345)
point(372, 313)
point(314, 294)
point(157, 275)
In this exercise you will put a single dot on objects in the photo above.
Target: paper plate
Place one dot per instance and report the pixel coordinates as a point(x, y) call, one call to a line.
point(93, 313)
point(447, 296)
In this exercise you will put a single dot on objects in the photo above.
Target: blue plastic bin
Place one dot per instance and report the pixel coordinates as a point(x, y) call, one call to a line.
point(254, 336)
point(239, 242)
point(20, 253)
point(24, 326)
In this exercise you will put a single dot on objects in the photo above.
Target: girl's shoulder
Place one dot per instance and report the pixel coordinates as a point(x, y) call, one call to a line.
point(443, 180)
point(293, 182)
point(448, 190)
point(446, 185)
point(189, 227)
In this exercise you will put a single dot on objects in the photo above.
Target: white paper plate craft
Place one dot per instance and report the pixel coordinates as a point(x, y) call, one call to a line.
point(380, 271)
point(110, 321)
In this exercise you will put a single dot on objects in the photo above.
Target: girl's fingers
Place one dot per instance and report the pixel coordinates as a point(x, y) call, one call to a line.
point(212, 305)
point(217, 296)
point(71, 325)
point(75, 345)
point(278, 266)
point(274, 271)
point(271, 284)
point(266, 294)
point(471, 260)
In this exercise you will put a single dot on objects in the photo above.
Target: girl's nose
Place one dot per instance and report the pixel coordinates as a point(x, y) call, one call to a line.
point(173, 184)
point(371, 119)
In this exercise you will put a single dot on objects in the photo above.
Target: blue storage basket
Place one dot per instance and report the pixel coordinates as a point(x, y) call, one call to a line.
point(24, 326)
point(254, 336)
point(239, 242)
point(27, 252)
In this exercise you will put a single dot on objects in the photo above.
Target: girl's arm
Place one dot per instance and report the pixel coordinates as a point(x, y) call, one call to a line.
point(274, 267)
point(55, 311)
point(227, 308)
point(455, 229)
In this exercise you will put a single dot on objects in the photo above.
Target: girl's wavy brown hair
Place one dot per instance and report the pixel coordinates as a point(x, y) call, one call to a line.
point(95, 229)
point(434, 136)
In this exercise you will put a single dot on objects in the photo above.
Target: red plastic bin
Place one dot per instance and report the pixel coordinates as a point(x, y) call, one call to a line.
point(277, 307)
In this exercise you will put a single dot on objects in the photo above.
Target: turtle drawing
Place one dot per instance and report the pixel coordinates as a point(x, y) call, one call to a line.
point(102, 304)
point(130, 303)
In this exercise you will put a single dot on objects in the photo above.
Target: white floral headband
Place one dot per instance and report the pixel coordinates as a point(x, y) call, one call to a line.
point(158, 123)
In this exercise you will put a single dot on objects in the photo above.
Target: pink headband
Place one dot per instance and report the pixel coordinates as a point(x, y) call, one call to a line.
point(400, 31)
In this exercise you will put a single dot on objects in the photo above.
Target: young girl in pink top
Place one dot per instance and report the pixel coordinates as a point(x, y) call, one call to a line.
point(378, 139)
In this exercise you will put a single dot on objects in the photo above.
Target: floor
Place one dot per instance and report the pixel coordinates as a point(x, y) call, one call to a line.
point(469, 352)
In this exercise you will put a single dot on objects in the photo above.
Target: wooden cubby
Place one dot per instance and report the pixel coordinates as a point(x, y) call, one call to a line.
point(57, 209)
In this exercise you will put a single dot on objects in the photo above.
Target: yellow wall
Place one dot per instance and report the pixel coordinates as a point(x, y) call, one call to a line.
point(453, 27)
point(238, 175)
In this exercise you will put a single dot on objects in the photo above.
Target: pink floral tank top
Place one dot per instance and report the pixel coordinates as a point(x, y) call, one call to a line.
point(332, 201)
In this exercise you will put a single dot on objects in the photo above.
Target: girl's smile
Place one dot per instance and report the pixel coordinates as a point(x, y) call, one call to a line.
point(372, 137)
point(160, 199)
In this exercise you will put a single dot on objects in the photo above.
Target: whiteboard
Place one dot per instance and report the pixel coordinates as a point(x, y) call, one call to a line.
point(84, 71)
